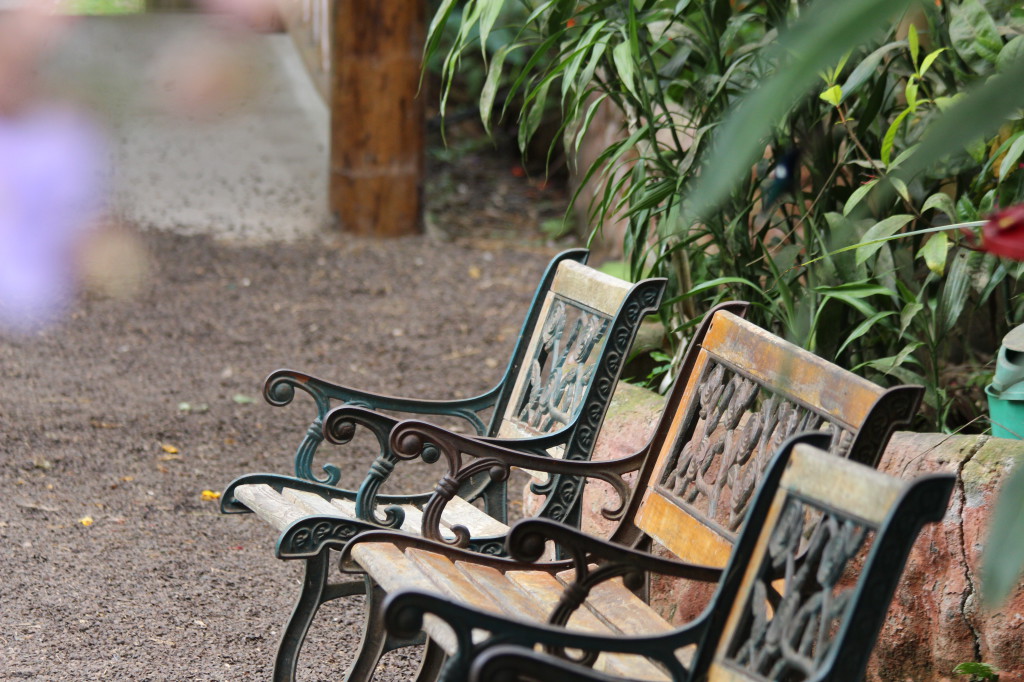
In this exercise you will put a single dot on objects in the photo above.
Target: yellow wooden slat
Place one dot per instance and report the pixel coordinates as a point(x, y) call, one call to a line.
point(838, 483)
point(846, 397)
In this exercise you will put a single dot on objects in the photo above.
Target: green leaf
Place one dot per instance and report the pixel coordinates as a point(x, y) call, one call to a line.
point(910, 93)
point(878, 233)
point(854, 295)
point(622, 57)
point(908, 314)
point(488, 15)
point(978, 113)
point(929, 58)
point(717, 282)
point(912, 42)
point(242, 399)
point(942, 202)
point(491, 85)
point(1000, 570)
point(534, 114)
point(864, 327)
point(867, 67)
point(955, 291)
point(889, 364)
point(982, 670)
point(934, 252)
point(890, 136)
point(1011, 52)
point(1012, 157)
point(857, 195)
point(974, 35)
point(901, 188)
point(833, 95)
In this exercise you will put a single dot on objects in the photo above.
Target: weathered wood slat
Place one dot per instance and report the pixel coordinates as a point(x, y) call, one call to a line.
point(773, 361)
point(311, 501)
point(393, 570)
point(269, 505)
point(592, 288)
point(869, 494)
point(459, 512)
point(681, 533)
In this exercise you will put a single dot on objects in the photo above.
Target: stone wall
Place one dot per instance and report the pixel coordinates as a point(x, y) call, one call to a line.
point(936, 619)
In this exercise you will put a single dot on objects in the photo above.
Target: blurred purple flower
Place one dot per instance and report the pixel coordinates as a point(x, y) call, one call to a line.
point(51, 181)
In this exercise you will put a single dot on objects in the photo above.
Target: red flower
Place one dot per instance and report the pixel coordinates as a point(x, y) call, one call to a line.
point(1003, 234)
point(570, 23)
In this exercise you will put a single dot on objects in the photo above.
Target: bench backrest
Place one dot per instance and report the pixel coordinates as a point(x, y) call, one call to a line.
point(580, 328)
point(745, 392)
point(830, 542)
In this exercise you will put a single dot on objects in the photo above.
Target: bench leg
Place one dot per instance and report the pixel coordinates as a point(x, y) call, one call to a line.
point(375, 639)
point(315, 591)
point(432, 662)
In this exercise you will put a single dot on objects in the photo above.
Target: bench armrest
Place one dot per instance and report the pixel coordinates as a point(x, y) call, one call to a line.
point(279, 390)
point(595, 561)
point(466, 457)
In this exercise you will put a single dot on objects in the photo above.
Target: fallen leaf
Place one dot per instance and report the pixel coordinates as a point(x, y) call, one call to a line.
point(167, 447)
point(162, 469)
point(97, 424)
point(170, 458)
point(42, 463)
point(474, 272)
point(210, 495)
point(127, 479)
point(242, 399)
point(86, 521)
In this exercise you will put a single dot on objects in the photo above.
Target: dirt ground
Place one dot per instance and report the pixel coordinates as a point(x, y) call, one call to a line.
point(94, 425)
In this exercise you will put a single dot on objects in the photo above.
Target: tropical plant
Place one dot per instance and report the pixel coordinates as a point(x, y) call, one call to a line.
point(738, 181)
point(819, 158)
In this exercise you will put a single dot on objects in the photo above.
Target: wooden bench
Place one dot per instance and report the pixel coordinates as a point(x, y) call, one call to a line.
point(551, 398)
point(551, 402)
point(741, 393)
point(802, 597)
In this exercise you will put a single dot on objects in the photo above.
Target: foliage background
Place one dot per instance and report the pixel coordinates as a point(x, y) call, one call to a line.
point(829, 161)
point(717, 96)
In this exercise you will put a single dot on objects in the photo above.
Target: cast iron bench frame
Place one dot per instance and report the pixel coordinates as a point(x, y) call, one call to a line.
point(741, 392)
point(531, 410)
point(818, 627)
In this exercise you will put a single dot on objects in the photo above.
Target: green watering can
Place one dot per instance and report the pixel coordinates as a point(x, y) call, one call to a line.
point(1006, 392)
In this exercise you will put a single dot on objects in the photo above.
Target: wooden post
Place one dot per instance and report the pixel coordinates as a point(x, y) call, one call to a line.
point(377, 126)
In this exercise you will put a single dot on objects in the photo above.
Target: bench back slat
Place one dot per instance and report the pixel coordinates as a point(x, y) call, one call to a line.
point(563, 351)
point(747, 393)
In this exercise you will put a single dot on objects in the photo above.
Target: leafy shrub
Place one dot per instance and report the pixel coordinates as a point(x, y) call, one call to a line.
point(806, 157)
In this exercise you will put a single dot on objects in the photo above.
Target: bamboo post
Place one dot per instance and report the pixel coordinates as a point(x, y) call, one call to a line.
point(377, 126)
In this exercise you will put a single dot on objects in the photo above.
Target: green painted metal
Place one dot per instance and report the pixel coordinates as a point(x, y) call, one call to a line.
point(786, 645)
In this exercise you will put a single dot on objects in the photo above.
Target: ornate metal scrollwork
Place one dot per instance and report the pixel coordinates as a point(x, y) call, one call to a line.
point(788, 642)
point(741, 424)
point(409, 446)
point(562, 366)
point(307, 537)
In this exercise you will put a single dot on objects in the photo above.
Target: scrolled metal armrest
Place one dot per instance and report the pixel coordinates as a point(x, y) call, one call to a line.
point(529, 537)
point(414, 439)
point(279, 390)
